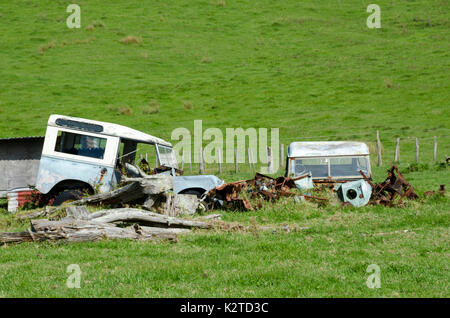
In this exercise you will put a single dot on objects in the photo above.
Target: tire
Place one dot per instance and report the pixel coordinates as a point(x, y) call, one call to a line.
point(66, 196)
point(198, 193)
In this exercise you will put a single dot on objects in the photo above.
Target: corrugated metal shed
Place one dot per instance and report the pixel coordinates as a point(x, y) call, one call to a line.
point(19, 162)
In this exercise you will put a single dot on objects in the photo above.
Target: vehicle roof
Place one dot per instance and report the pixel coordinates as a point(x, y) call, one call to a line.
point(112, 130)
point(327, 148)
point(21, 138)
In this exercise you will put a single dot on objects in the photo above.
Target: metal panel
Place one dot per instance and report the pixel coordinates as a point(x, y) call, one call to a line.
point(327, 148)
point(208, 182)
point(19, 162)
point(53, 170)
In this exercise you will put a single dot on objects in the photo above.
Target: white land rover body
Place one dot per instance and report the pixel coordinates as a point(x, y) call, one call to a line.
point(339, 162)
point(82, 154)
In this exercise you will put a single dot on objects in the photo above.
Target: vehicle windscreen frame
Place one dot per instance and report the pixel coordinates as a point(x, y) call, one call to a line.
point(350, 171)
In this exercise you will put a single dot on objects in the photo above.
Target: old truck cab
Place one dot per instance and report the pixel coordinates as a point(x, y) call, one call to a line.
point(80, 155)
point(329, 160)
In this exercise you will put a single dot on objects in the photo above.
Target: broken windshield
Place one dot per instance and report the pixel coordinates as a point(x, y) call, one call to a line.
point(340, 167)
point(166, 156)
point(317, 166)
point(331, 167)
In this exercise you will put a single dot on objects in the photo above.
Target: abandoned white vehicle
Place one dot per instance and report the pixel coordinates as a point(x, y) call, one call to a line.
point(339, 162)
point(79, 155)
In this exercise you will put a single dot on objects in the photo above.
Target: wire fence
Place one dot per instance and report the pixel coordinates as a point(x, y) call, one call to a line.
point(385, 150)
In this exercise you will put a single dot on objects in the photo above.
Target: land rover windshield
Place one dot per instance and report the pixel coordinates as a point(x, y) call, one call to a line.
point(331, 166)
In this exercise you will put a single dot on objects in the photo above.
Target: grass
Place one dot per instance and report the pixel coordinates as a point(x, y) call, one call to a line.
point(131, 40)
point(306, 251)
point(311, 68)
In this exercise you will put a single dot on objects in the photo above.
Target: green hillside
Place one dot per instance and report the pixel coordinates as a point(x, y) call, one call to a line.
point(313, 69)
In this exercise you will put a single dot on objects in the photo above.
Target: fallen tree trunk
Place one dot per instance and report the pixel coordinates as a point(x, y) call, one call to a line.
point(141, 216)
point(211, 217)
point(128, 193)
point(33, 215)
point(159, 230)
point(138, 189)
point(27, 236)
point(77, 212)
point(74, 230)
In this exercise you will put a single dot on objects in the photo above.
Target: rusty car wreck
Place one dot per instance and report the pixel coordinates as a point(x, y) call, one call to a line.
point(341, 166)
point(79, 156)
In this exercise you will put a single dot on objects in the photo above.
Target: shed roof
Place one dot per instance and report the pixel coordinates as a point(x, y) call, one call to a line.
point(327, 148)
point(113, 130)
point(21, 138)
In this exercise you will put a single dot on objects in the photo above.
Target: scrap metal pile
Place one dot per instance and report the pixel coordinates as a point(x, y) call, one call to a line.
point(239, 194)
point(247, 195)
point(393, 190)
point(155, 192)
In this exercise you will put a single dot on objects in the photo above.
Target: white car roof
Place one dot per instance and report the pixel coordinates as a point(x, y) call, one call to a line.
point(108, 129)
point(327, 149)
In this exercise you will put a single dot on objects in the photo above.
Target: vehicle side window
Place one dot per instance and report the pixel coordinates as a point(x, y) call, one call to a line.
point(81, 145)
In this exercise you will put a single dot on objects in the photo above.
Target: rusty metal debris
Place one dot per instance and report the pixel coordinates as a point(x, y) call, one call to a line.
point(393, 190)
point(144, 165)
point(240, 194)
point(247, 195)
point(441, 191)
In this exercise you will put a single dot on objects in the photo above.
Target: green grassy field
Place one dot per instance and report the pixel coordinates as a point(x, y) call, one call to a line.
point(310, 68)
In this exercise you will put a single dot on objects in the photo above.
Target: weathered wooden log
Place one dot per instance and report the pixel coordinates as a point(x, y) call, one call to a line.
point(77, 212)
point(13, 237)
point(32, 215)
point(154, 184)
point(19, 237)
point(159, 230)
point(125, 194)
point(147, 217)
point(211, 217)
point(138, 189)
point(74, 230)
point(182, 204)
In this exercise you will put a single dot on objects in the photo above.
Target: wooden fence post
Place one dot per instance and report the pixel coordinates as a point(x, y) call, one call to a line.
point(417, 150)
point(190, 161)
point(269, 160)
point(201, 160)
point(204, 161)
point(236, 168)
point(435, 150)
point(219, 159)
point(250, 153)
point(379, 159)
point(397, 151)
point(182, 160)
